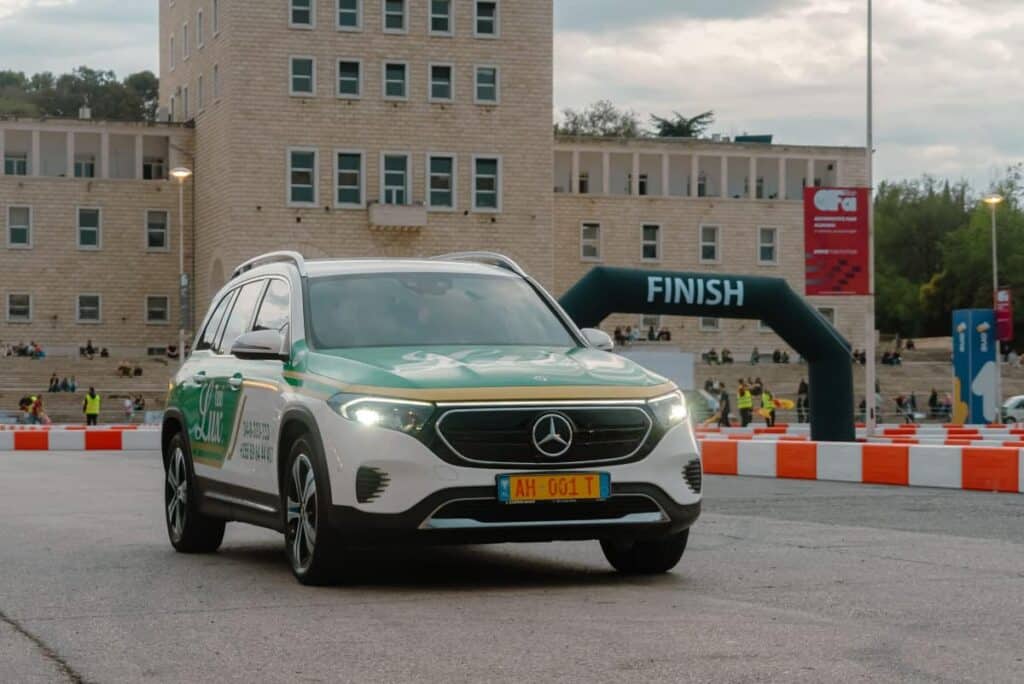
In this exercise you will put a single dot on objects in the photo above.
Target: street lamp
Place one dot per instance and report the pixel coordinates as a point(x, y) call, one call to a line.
point(181, 174)
point(993, 201)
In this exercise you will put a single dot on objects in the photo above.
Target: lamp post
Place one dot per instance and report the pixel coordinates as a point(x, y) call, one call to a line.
point(181, 174)
point(993, 201)
point(870, 373)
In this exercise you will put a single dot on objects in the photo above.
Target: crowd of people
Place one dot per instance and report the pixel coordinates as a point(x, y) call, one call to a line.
point(713, 358)
point(32, 350)
point(62, 384)
point(629, 334)
point(752, 397)
point(89, 351)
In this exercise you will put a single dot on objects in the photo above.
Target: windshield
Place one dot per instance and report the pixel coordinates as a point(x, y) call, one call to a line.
point(430, 309)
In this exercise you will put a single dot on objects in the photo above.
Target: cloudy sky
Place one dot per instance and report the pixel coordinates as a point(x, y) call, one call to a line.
point(949, 73)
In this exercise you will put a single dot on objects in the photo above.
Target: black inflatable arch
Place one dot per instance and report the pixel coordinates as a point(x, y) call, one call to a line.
point(606, 290)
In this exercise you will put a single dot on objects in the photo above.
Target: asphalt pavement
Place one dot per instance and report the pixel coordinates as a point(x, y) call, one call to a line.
point(783, 581)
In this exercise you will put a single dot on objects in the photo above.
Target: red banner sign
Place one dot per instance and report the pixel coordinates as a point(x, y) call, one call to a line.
point(836, 241)
point(1004, 315)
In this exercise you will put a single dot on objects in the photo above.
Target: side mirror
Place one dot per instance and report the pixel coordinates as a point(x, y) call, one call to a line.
point(261, 345)
point(598, 339)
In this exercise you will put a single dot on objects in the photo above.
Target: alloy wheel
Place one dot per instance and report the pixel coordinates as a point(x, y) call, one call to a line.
point(302, 512)
point(176, 494)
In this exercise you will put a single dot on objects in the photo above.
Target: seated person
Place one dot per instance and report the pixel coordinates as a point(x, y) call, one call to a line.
point(65, 386)
point(712, 357)
point(137, 371)
point(726, 356)
point(664, 335)
point(104, 354)
point(54, 384)
point(124, 369)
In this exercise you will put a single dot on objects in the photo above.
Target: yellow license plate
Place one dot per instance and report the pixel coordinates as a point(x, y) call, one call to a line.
point(554, 487)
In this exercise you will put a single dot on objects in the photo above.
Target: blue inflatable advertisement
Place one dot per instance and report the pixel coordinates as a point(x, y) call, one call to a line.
point(974, 367)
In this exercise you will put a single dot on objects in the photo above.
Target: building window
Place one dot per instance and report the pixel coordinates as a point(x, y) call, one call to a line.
point(649, 321)
point(350, 78)
point(590, 242)
point(154, 168)
point(301, 14)
point(395, 187)
point(584, 183)
point(394, 16)
point(88, 308)
point(85, 166)
point(173, 54)
point(19, 227)
point(216, 82)
point(185, 48)
point(767, 246)
point(650, 242)
point(441, 86)
point(19, 308)
point(708, 244)
point(158, 309)
point(486, 21)
point(302, 177)
point(184, 102)
point(350, 15)
point(199, 93)
point(349, 179)
point(303, 79)
point(487, 85)
point(157, 225)
point(486, 184)
point(16, 164)
point(395, 82)
point(441, 193)
point(829, 314)
point(709, 324)
point(216, 17)
point(441, 17)
point(199, 30)
point(89, 229)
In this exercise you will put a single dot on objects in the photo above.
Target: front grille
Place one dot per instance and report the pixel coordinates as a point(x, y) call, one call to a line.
point(504, 436)
point(693, 475)
point(491, 511)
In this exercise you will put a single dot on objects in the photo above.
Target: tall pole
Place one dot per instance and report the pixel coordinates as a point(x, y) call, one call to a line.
point(995, 304)
point(181, 271)
point(870, 351)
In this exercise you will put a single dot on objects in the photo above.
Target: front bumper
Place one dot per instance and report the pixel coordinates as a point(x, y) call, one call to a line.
point(424, 524)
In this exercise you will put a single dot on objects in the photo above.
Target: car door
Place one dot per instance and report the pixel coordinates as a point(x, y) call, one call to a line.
point(220, 393)
point(193, 391)
point(254, 447)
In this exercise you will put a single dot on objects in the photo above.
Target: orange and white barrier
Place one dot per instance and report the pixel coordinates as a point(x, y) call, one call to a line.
point(987, 469)
point(91, 439)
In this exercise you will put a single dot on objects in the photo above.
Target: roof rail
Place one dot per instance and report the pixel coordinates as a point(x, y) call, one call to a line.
point(489, 258)
point(272, 258)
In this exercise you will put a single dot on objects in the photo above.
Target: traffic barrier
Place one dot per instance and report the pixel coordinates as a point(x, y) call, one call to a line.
point(91, 439)
point(990, 469)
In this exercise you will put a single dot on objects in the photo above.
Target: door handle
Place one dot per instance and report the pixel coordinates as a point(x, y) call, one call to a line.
point(199, 378)
point(235, 382)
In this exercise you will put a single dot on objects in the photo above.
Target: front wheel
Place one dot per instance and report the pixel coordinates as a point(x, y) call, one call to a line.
point(189, 530)
point(646, 557)
point(307, 539)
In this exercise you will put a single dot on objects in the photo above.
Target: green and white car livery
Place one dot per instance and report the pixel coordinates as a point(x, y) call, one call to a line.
point(349, 403)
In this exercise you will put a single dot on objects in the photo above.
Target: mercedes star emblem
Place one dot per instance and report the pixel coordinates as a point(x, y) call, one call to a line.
point(552, 435)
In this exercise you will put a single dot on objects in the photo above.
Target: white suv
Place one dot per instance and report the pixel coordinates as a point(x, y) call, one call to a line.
point(348, 403)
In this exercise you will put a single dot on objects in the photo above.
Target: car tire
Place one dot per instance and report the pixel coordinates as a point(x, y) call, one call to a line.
point(305, 497)
point(646, 557)
point(189, 530)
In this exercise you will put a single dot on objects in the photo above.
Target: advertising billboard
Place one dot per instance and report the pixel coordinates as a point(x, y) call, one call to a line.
point(1004, 314)
point(974, 367)
point(836, 241)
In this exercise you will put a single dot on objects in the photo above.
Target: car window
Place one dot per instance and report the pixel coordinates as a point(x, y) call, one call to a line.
point(241, 315)
point(424, 309)
point(210, 333)
point(1020, 404)
point(274, 311)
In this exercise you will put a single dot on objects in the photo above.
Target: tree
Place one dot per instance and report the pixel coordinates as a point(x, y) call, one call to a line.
point(43, 94)
point(601, 119)
point(680, 126)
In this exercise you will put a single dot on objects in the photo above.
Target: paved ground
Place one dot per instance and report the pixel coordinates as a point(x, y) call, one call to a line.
point(783, 581)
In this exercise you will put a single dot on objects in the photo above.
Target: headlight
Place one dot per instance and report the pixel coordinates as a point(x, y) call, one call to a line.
point(377, 412)
point(670, 410)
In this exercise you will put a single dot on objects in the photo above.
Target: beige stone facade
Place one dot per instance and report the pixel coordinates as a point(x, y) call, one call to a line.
point(376, 133)
point(81, 223)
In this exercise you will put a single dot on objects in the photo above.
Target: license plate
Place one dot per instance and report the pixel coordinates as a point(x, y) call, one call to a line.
point(554, 487)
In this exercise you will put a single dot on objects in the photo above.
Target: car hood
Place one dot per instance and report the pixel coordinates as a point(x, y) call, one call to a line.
point(491, 372)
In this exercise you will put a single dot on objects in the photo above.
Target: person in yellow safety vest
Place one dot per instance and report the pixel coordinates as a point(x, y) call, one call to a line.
point(91, 407)
point(768, 407)
point(745, 403)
